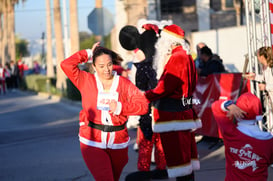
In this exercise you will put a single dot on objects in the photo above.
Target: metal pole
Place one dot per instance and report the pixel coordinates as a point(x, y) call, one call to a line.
point(269, 38)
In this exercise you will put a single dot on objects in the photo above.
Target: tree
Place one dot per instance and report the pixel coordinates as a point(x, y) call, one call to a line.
point(86, 40)
point(74, 32)
point(49, 62)
point(61, 79)
point(7, 30)
point(21, 48)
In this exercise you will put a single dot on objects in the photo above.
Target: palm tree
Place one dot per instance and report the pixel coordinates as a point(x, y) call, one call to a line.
point(74, 32)
point(49, 62)
point(11, 30)
point(7, 30)
point(61, 79)
point(4, 46)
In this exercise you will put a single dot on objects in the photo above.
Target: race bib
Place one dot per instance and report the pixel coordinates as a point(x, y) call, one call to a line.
point(104, 99)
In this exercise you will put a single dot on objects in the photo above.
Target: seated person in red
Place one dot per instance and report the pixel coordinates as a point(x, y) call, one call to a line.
point(248, 150)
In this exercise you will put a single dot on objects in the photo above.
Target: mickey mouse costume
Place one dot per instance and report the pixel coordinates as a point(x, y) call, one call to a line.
point(145, 79)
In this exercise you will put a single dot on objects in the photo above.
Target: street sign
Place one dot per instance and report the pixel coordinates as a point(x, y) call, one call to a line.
point(100, 21)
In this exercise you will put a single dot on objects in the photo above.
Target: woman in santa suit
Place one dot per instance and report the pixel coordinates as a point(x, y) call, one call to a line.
point(107, 101)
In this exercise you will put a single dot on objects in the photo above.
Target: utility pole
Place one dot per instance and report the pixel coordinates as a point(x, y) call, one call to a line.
point(100, 37)
point(66, 45)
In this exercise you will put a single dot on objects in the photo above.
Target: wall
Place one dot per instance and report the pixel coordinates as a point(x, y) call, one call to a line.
point(229, 43)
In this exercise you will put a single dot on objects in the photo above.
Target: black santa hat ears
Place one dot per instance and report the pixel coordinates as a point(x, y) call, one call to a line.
point(129, 37)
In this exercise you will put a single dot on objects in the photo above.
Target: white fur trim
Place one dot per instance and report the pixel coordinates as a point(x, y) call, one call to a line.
point(223, 107)
point(176, 125)
point(172, 37)
point(89, 55)
point(81, 123)
point(183, 170)
point(253, 131)
point(195, 164)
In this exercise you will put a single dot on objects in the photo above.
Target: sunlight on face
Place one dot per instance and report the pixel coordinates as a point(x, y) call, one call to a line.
point(262, 60)
point(104, 67)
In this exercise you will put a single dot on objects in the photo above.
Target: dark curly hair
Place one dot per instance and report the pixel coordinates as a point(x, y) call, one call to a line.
point(99, 50)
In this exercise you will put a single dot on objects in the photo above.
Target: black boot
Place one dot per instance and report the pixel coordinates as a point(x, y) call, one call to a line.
point(159, 174)
point(139, 175)
point(186, 177)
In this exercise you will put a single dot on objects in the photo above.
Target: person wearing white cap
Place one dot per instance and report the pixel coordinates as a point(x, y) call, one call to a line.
point(173, 115)
point(248, 150)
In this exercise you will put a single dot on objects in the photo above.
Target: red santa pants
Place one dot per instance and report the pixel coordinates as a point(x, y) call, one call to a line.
point(145, 152)
point(104, 164)
point(180, 150)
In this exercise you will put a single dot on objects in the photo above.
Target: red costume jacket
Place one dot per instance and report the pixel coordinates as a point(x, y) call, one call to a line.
point(133, 102)
point(173, 94)
point(248, 151)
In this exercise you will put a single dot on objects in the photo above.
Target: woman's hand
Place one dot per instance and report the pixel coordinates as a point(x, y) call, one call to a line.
point(235, 111)
point(113, 106)
point(250, 76)
point(262, 86)
point(95, 45)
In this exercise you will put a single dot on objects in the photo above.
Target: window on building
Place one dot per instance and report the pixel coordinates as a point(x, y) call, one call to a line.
point(171, 6)
point(229, 4)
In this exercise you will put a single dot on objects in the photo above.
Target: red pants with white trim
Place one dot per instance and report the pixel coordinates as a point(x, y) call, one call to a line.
point(104, 164)
point(145, 152)
point(180, 150)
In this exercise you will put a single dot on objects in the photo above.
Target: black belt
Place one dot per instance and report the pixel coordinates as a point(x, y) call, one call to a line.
point(173, 105)
point(106, 128)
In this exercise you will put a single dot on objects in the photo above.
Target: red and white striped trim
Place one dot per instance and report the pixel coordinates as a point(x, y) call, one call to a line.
point(271, 20)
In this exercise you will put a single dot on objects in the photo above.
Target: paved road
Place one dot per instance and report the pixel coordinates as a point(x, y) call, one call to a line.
point(38, 141)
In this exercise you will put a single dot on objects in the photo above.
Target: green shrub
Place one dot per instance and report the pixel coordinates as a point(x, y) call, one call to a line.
point(41, 83)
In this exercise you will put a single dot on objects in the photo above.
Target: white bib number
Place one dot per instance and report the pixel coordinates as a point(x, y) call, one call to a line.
point(104, 99)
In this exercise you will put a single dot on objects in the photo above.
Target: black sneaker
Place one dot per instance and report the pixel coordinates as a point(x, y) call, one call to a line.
point(159, 174)
point(139, 176)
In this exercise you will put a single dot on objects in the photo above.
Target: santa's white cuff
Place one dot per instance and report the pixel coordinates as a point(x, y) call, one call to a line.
point(89, 55)
point(223, 106)
point(118, 110)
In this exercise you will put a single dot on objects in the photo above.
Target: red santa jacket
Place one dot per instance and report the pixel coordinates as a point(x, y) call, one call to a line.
point(248, 151)
point(133, 102)
point(173, 93)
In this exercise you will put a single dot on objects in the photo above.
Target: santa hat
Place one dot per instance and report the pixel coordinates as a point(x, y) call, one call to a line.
point(151, 27)
point(251, 104)
point(173, 32)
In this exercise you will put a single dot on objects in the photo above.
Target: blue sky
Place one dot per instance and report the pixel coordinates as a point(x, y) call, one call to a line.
point(30, 17)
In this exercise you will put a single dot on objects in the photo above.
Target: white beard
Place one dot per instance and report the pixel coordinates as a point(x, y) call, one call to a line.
point(163, 52)
point(163, 49)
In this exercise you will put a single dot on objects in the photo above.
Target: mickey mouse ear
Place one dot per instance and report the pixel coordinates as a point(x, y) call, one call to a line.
point(129, 37)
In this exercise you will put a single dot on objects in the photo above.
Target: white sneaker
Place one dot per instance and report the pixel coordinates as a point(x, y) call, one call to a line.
point(135, 147)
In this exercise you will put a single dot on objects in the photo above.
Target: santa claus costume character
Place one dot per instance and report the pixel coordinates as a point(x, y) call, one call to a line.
point(174, 117)
point(107, 101)
point(248, 150)
point(145, 79)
